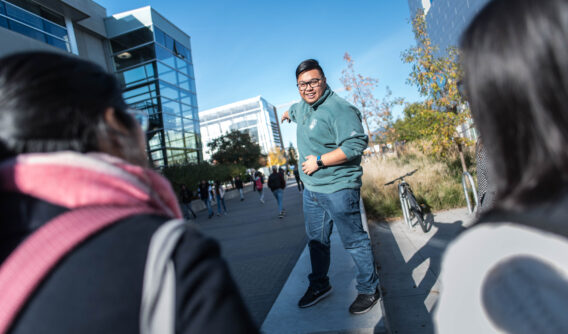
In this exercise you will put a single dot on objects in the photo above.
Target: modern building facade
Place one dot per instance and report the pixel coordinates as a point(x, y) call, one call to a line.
point(150, 56)
point(255, 116)
point(446, 19)
point(152, 59)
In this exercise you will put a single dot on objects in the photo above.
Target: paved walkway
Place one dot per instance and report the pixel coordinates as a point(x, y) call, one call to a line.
point(409, 263)
point(269, 261)
point(260, 248)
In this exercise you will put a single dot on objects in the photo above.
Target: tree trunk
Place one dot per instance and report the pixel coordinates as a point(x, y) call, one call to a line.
point(370, 134)
point(462, 157)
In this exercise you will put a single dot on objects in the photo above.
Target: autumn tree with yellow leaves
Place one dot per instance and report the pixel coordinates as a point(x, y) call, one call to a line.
point(276, 157)
point(437, 77)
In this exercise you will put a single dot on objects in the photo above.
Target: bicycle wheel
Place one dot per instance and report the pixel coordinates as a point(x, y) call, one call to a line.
point(417, 211)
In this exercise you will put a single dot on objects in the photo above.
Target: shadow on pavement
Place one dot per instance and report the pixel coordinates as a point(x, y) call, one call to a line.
point(409, 266)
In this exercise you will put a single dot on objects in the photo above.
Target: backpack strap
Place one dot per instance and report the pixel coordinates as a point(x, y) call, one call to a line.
point(37, 255)
point(157, 309)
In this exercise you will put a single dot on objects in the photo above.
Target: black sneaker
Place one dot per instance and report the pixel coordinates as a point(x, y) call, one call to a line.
point(363, 303)
point(281, 215)
point(311, 297)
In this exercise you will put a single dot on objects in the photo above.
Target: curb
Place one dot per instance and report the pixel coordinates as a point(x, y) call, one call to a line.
point(382, 303)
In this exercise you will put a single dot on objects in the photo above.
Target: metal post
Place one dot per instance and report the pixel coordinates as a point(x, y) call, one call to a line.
point(467, 176)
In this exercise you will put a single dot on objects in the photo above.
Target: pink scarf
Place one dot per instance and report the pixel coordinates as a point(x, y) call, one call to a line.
point(74, 180)
point(101, 189)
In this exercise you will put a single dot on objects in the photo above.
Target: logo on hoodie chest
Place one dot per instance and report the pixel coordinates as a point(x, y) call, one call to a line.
point(313, 123)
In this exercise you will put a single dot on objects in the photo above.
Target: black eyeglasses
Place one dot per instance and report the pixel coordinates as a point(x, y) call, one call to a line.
point(302, 85)
point(141, 116)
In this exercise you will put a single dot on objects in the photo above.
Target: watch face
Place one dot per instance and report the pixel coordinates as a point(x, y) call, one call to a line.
point(320, 163)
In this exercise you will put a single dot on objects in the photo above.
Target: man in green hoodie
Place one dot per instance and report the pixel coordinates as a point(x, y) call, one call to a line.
point(331, 141)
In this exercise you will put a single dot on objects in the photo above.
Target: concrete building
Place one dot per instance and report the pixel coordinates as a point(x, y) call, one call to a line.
point(255, 116)
point(150, 56)
point(446, 19)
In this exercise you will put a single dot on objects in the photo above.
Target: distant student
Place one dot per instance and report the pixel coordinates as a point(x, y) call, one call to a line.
point(185, 197)
point(239, 186)
point(258, 182)
point(277, 183)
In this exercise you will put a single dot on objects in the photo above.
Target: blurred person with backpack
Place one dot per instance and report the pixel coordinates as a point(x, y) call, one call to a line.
point(277, 183)
point(258, 183)
point(83, 217)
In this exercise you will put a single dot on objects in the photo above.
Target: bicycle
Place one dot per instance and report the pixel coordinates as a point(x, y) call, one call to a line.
point(410, 207)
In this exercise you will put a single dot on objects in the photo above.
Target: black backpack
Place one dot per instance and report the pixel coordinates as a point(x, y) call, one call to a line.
point(274, 181)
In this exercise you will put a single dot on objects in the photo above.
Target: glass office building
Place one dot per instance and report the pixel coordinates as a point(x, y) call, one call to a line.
point(153, 61)
point(446, 19)
point(150, 56)
point(255, 116)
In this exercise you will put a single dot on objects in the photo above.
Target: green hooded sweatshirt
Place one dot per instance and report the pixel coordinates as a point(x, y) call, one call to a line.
point(327, 124)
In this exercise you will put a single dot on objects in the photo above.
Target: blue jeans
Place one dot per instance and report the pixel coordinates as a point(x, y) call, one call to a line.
point(207, 203)
point(187, 210)
point(278, 195)
point(321, 211)
point(220, 200)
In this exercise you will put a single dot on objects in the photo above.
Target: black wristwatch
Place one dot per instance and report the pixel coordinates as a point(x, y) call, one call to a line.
point(319, 162)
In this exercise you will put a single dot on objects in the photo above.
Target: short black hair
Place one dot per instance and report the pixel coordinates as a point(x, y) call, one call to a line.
point(308, 65)
point(516, 77)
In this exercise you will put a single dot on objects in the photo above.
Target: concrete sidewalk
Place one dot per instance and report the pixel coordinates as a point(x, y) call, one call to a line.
point(409, 262)
point(330, 315)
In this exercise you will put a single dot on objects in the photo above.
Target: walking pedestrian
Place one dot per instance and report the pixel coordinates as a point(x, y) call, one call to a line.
point(186, 196)
point(205, 195)
point(299, 182)
point(515, 64)
point(75, 182)
point(258, 181)
point(276, 183)
point(220, 197)
point(331, 141)
point(239, 186)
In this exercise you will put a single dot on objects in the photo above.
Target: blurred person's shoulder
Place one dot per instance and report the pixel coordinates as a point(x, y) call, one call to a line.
point(494, 268)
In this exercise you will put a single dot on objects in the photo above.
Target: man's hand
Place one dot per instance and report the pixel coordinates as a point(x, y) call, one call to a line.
point(310, 166)
point(285, 117)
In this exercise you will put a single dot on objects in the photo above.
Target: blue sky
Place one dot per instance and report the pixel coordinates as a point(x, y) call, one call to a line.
point(243, 49)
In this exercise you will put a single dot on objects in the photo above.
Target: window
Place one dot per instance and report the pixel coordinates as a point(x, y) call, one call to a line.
point(165, 56)
point(134, 57)
point(174, 139)
point(131, 40)
point(136, 75)
point(38, 10)
point(167, 73)
point(141, 93)
point(171, 107)
point(31, 22)
point(169, 91)
point(172, 122)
